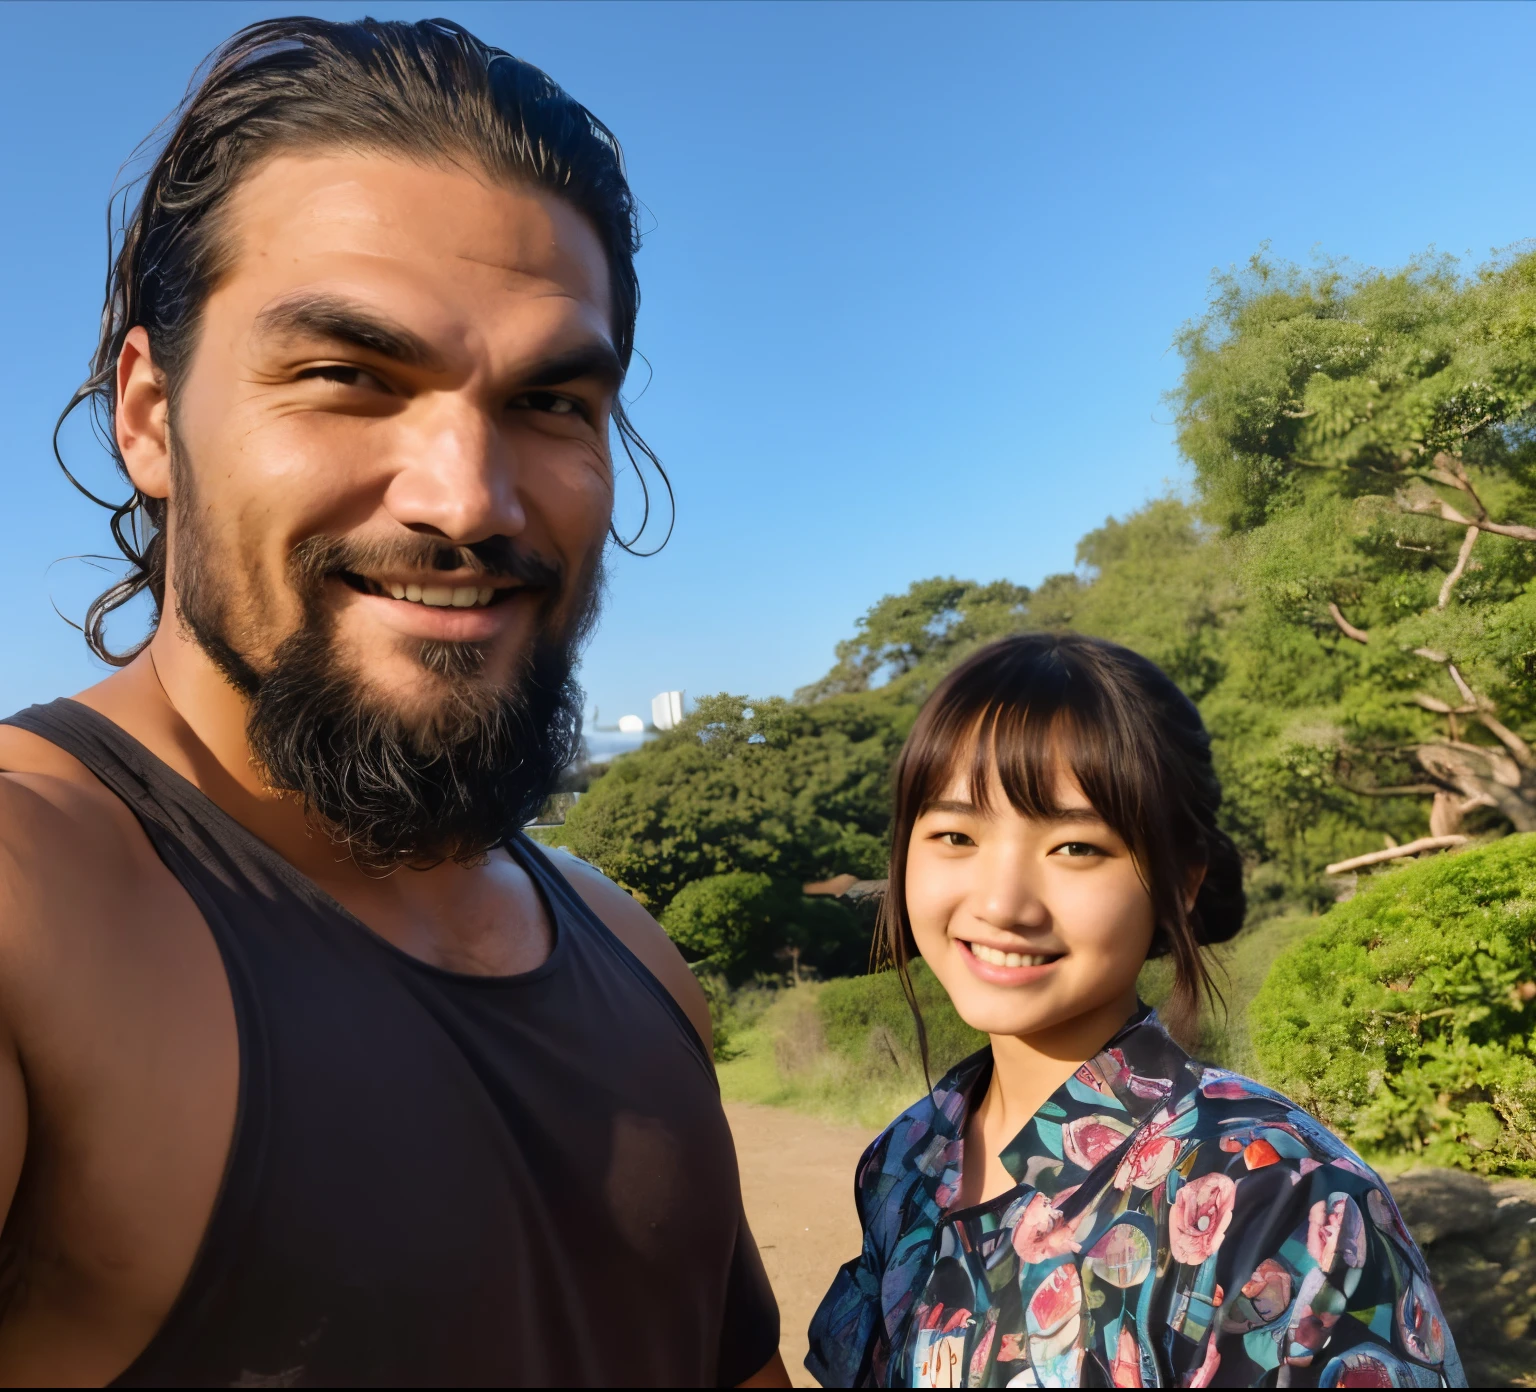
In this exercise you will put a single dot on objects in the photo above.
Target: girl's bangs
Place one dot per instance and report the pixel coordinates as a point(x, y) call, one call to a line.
point(1029, 745)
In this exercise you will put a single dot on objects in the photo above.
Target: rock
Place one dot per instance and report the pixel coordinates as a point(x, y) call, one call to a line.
point(1479, 1238)
point(1438, 1204)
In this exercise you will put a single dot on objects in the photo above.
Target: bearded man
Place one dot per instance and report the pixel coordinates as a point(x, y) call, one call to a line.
point(314, 1070)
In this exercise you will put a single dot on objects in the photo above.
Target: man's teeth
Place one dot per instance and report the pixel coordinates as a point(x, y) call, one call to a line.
point(445, 596)
point(1010, 959)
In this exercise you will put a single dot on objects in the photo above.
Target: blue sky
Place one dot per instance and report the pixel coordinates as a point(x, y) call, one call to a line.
point(910, 276)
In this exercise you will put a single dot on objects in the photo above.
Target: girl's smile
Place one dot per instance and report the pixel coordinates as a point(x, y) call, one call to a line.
point(1004, 966)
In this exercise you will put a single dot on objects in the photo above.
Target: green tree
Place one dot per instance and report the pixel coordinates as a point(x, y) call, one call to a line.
point(797, 793)
point(1365, 442)
point(740, 923)
point(1160, 582)
point(920, 633)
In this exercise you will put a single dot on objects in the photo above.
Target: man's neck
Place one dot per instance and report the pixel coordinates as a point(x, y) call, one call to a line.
point(179, 706)
point(182, 709)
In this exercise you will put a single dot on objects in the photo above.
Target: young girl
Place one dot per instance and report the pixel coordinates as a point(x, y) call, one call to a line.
point(1081, 1203)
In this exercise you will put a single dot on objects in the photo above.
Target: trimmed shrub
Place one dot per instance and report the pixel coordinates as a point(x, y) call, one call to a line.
point(1405, 1020)
point(866, 1017)
point(740, 924)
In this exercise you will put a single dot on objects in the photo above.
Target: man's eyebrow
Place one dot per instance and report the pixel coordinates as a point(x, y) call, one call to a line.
point(341, 320)
point(594, 359)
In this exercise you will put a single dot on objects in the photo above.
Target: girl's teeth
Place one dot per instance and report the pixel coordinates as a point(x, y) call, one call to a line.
point(465, 597)
point(438, 596)
point(487, 593)
point(413, 593)
point(398, 591)
point(1008, 959)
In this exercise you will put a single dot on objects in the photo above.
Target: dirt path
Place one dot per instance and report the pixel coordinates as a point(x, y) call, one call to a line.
point(797, 1183)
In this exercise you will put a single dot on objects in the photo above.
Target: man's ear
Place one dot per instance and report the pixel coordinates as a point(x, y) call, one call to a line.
point(143, 416)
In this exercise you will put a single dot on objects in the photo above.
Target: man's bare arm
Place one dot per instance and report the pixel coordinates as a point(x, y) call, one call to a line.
point(773, 1373)
point(19, 818)
point(642, 935)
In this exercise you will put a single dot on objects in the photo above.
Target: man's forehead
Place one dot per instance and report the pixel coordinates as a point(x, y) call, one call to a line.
point(381, 217)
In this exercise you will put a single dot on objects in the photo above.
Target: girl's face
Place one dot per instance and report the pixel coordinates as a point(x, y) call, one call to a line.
point(1028, 924)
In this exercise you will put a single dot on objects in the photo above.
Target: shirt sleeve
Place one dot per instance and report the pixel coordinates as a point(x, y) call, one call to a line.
point(847, 1334)
point(1327, 1288)
point(749, 1334)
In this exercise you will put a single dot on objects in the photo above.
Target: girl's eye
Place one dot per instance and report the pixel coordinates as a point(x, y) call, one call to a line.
point(955, 838)
point(1076, 849)
point(548, 403)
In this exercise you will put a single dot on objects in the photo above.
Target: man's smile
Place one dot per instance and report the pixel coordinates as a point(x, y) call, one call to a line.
point(435, 593)
point(462, 608)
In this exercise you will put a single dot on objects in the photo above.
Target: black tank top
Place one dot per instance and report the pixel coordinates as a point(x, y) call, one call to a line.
point(438, 1179)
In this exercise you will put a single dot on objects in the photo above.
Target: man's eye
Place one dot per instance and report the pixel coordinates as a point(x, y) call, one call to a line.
point(1076, 849)
point(955, 838)
point(344, 375)
point(549, 403)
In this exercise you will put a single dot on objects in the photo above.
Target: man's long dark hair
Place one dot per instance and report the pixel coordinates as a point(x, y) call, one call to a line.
point(428, 91)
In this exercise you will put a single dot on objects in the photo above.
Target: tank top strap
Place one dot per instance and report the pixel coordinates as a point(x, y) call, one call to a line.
point(180, 819)
point(114, 756)
point(573, 913)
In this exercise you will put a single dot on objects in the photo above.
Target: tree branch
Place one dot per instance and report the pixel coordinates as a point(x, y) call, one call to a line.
point(1508, 738)
point(1467, 694)
point(1467, 543)
point(1484, 709)
point(1406, 790)
point(1345, 627)
point(1424, 843)
point(1434, 703)
point(1437, 507)
point(1449, 469)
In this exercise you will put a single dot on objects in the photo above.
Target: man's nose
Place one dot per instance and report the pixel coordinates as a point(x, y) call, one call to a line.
point(458, 477)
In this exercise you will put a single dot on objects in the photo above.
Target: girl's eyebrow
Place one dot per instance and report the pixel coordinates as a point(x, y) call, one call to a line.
point(962, 809)
point(959, 808)
point(1076, 814)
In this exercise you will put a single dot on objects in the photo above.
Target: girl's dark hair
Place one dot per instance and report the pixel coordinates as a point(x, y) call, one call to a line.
point(1038, 705)
point(428, 91)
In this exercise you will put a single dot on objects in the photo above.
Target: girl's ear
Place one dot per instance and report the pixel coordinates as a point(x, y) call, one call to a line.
point(1192, 883)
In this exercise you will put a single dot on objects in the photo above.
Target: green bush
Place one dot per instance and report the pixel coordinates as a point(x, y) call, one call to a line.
point(1405, 1020)
point(740, 924)
point(869, 1015)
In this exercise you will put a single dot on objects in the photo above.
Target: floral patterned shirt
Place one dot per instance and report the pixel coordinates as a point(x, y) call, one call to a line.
point(1173, 1226)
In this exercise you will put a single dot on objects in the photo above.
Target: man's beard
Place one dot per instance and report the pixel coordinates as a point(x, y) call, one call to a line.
point(451, 785)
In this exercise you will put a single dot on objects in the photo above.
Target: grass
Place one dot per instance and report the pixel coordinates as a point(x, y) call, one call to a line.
point(846, 1050)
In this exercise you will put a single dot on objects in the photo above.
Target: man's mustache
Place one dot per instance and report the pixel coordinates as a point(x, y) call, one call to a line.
point(494, 558)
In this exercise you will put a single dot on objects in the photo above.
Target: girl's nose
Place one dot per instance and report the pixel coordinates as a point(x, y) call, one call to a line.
point(1006, 895)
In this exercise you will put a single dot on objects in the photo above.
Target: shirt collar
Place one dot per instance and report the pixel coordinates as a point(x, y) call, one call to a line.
point(1139, 1070)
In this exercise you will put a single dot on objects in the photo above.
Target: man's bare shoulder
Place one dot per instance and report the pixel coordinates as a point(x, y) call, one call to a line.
point(640, 933)
point(64, 838)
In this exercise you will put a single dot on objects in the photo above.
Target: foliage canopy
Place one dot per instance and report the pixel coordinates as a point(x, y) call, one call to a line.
point(1367, 440)
point(1405, 1021)
point(792, 793)
point(740, 923)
